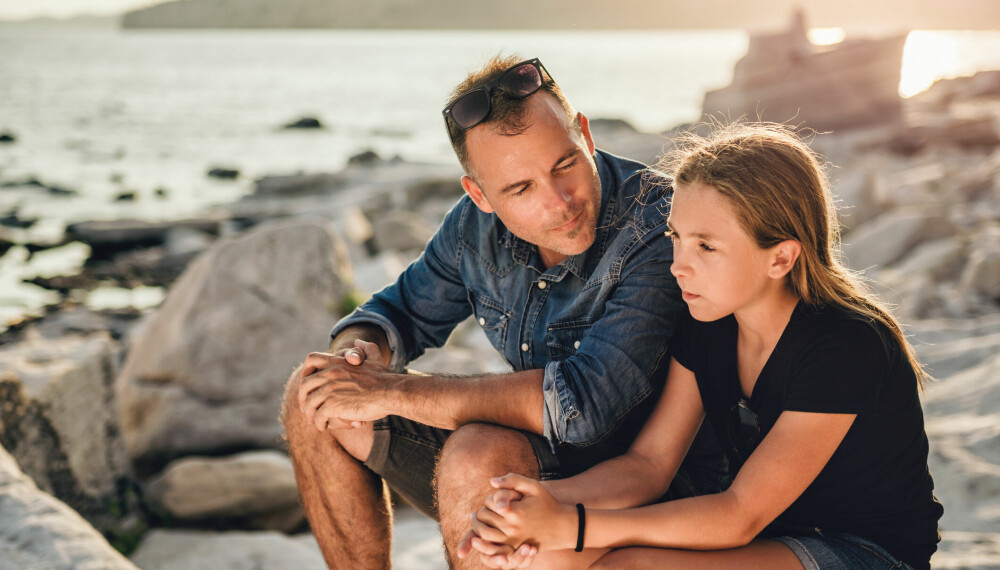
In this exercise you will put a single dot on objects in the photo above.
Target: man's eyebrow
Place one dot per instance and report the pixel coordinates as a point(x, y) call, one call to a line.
point(569, 154)
point(513, 185)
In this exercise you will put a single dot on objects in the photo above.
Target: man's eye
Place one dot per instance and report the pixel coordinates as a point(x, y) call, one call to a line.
point(568, 165)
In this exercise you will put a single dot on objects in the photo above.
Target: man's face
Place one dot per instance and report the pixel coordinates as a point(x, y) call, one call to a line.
point(541, 183)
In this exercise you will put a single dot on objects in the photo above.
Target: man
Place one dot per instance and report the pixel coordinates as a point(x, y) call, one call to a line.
point(558, 253)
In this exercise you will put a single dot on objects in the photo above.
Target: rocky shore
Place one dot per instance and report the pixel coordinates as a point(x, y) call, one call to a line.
point(158, 428)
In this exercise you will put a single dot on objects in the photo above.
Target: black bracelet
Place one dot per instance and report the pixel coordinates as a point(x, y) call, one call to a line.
point(581, 527)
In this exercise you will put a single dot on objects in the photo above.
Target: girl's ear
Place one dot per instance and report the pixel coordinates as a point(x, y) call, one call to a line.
point(783, 257)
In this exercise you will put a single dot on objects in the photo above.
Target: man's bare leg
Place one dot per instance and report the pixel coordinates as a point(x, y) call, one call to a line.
point(472, 455)
point(346, 503)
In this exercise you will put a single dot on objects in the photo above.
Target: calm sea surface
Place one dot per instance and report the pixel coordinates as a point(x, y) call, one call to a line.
point(106, 111)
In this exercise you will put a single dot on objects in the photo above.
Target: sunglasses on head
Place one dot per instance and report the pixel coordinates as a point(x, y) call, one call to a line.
point(743, 429)
point(474, 106)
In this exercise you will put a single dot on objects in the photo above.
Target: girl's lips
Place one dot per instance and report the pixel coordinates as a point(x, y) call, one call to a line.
point(689, 296)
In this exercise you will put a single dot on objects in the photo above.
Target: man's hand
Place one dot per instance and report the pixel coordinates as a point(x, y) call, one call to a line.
point(336, 390)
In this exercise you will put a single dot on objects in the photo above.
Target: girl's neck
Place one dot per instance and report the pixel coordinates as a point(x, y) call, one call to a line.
point(762, 321)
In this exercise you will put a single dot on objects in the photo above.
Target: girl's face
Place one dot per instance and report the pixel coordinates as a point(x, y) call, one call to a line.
point(719, 268)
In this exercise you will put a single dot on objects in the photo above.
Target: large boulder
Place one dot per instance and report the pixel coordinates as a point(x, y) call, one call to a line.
point(965, 455)
point(401, 230)
point(58, 419)
point(206, 373)
point(39, 531)
point(255, 489)
point(887, 238)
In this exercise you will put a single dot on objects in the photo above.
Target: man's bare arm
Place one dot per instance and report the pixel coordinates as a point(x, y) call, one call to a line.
point(335, 390)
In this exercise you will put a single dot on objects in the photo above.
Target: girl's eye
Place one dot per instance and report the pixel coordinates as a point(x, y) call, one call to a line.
point(707, 247)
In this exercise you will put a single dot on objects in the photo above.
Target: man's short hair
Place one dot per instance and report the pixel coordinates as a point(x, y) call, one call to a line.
point(506, 112)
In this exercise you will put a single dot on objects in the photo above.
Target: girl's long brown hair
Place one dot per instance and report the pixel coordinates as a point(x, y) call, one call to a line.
point(779, 190)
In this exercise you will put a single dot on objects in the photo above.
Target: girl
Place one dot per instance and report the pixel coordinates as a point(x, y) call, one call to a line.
point(805, 379)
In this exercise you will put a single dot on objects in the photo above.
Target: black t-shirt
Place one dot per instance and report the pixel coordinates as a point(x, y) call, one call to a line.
point(877, 484)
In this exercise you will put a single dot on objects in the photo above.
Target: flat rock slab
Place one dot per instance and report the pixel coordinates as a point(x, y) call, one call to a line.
point(39, 531)
point(256, 487)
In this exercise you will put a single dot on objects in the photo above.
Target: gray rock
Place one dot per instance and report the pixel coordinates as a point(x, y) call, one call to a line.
point(938, 259)
point(205, 374)
point(39, 531)
point(118, 235)
point(965, 455)
point(245, 490)
point(967, 551)
point(857, 194)
point(297, 185)
point(305, 123)
point(449, 188)
point(371, 275)
point(57, 418)
point(981, 276)
point(401, 231)
point(889, 237)
point(193, 550)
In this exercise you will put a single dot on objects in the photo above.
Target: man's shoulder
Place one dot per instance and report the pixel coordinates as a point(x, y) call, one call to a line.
point(642, 193)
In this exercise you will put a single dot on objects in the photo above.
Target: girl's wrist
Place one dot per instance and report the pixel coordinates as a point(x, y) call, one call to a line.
point(569, 527)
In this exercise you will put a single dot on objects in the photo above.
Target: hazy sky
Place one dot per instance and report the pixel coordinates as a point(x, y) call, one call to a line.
point(22, 9)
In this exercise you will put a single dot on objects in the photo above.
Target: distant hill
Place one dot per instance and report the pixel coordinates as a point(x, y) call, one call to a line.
point(864, 15)
point(86, 21)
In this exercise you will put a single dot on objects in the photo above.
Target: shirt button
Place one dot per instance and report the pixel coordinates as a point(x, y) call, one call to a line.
point(482, 322)
point(576, 344)
point(525, 347)
point(542, 284)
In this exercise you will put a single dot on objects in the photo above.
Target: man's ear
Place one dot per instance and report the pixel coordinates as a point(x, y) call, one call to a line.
point(476, 193)
point(783, 258)
point(585, 130)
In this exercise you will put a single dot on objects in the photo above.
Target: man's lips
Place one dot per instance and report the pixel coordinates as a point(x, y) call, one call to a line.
point(570, 224)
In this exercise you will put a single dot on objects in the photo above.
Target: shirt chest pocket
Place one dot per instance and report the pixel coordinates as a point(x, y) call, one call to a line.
point(564, 338)
point(492, 317)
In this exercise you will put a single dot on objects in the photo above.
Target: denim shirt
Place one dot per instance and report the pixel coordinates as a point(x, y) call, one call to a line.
point(597, 323)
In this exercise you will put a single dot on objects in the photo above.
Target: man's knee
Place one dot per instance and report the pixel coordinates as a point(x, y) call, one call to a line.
point(290, 400)
point(479, 450)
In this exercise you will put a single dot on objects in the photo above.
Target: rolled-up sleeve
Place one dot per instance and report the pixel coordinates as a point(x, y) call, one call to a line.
point(425, 303)
point(621, 360)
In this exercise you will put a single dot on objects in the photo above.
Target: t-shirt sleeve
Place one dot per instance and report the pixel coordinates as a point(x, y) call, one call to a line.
point(839, 371)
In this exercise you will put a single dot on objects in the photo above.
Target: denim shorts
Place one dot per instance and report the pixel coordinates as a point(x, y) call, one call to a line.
point(404, 453)
point(823, 550)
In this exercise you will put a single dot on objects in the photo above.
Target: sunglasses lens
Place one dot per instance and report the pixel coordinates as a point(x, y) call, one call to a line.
point(471, 108)
point(522, 80)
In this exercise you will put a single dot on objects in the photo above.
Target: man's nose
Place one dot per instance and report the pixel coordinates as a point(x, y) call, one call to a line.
point(557, 195)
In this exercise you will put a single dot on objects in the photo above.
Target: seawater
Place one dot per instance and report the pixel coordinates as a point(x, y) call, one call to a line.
point(105, 111)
